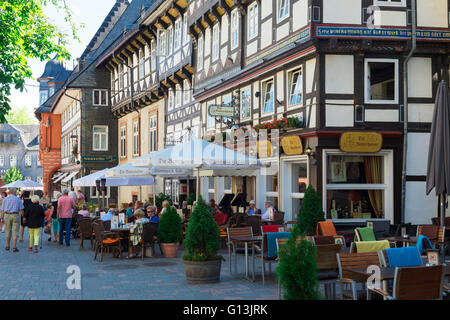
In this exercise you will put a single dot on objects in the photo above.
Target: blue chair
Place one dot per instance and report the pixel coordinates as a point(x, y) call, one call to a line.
point(402, 257)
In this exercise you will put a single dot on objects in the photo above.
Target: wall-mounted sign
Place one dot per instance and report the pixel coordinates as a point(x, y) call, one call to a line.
point(264, 149)
point(361, 142)
point(292, 145)
point(98, 158)
point(360, 32)
point(221, 111)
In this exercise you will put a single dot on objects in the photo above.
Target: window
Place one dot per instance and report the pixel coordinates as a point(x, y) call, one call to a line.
point(38, 161)
point(163, 43)
point(43, 97)
point(246, 98)
point(170, 100)
point(141, 64)
point(283, 9)
point(170, 40)
point(153, 56)
point(185, 28)
point(135, 138)
point(272, 189)
point(215, 44)
point(153, 127)
point(234, 29)
point(27, 178)
point(253, 21)
point(28, 160)
point(356, 185)
point(120, 76)
point(211, 120)
point(200, 54)
point(295, 79)
point(393, 3)
point(187, 92)
point(381, 81)
point(39, 180)
point(177, 40)
point(13, 161)
point(51, 91)
point(227, 184)
point(178, 95)
point(123, 141)
point(100, 97)
point(211, 188)
point(268, 96)
point(2, 161)
point(100, 138)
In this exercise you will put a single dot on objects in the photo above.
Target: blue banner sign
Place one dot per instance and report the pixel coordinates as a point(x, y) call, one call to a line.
point(323, 31)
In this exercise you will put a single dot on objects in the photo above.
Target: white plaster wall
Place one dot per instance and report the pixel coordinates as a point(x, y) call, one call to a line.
point(266, 34)
point(342, 11)
point(339, 74)
point(417, 155)
point(420, 112)
point(299, 14)
point(372, 115)
point(252, 48)
point(420, 78)
point(432, 13)
point(282, 31)
point(225, 29)
point(266, 8)
point(389, 18)
point(419, 208)
point(309, 74)
point(339, 115)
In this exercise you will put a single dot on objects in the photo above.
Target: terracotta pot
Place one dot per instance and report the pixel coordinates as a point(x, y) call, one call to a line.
point(170, 250)
point(202, 271)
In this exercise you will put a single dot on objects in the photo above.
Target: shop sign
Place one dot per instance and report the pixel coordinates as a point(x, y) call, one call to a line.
point(98, 158)
point(369, 142)
point(264, 149)
point(221, 111)
point(292, 145)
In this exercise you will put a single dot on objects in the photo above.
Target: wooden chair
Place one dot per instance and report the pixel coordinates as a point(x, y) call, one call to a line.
point(105, 240)
point(327, 266)
point(326, 228)
point(148, 233)
point(354, 261)
point(435, 241)
point(359, 237)
point(255, 223)
point(85, 230)
point(233, 244)
point(278, 217)
point(414, 283)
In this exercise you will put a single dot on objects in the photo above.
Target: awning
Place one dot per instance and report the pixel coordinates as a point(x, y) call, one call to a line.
point(57, 175)
point(228, 173)
point(70, 176)
point(60, 177)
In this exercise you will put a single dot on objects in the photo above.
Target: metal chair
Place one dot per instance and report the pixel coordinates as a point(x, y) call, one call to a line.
point(232, 244)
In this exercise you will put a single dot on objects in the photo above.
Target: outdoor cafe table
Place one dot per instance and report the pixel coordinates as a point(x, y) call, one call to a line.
point(124, 232)
point(246, 241)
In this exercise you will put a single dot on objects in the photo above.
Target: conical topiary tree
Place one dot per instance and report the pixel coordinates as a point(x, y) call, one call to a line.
point(202, 235)
point(169, 229)
point(311, 212)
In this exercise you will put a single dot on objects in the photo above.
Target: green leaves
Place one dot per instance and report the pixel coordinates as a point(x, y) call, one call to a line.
point(13, 174)
point(169, 229)
point(25, 32)
point(20, 115)
point(311, 212)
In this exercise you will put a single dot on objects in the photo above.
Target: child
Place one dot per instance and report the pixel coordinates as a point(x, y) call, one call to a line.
point(48, 218)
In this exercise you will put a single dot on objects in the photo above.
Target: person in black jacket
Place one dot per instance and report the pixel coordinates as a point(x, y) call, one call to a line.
point(33, 217)
point(26, 202)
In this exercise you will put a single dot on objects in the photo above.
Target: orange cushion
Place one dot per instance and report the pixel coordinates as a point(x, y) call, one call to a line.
point(109, 240)
point(327, 228)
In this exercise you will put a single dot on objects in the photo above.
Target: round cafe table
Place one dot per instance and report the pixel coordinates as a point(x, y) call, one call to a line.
point(124, 237)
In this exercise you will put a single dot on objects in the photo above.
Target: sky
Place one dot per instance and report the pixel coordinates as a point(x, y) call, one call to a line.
point(89, 12)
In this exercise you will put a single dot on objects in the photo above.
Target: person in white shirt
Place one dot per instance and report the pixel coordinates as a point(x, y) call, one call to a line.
point(269, 208)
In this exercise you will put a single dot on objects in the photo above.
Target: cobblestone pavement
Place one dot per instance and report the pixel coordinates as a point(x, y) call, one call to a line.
point(26, 275)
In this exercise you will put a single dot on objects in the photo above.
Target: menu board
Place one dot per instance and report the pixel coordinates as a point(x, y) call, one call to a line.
point(114, 222)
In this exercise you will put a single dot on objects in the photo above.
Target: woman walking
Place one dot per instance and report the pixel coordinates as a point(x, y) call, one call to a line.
point(33, 217)
point(26, 202)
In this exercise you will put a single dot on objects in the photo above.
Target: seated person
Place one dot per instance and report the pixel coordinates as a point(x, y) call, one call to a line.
point(269, 209)
point(212, 205)
point(184, 205)
point(107, 216)
point(251, 210)
point(220, 217)
point(84, 211)
point(130, 210)
point(137, 230)
point(152, 214)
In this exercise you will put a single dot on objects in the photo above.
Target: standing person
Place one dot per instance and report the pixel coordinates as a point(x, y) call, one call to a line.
point(33, 216)
point(65, 206)
point(81, 197)
point(26, 202)
point(2, 197)
point(13, 208)
point(55, 222)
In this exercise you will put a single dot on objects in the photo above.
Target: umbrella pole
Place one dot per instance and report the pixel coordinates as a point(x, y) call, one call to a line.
point(153, 190)
point(442, 212)
point(198, 184)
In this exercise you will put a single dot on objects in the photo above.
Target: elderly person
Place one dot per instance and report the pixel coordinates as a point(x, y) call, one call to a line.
point(3, 196)
point(165, 205)
point(33, 217)
point(136, 231)
point(65, 206)
point(270, 211)
point(152, 215)
point(251, 210)
point(12, 207)
point(84, 211)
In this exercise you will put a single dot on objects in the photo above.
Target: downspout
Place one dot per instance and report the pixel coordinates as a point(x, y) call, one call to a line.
point(405, 107)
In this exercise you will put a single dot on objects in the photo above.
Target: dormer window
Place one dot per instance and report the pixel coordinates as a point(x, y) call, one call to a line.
point(43, 96)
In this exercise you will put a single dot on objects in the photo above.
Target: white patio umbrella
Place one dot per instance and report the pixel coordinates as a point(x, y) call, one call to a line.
point(24, 184)
point(90, 180)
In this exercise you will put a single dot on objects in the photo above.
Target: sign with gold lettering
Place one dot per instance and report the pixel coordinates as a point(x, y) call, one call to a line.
point(264, 149)
point(292, 145)
point(361, 142)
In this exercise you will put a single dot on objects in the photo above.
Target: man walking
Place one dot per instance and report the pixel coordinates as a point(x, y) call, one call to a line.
point(65, 205)
point(12, 207)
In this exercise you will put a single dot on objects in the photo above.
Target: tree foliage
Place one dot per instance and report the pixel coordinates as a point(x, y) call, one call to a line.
point(311, 212)
point(169, 229)
point(202, 235)
point(21, 115)
point(25, 33)
point(12, 174)
point(160, 199)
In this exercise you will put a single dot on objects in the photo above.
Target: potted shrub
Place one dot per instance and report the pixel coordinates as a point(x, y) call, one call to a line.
point(201, 262)
point(311, 212)
point(169, 232)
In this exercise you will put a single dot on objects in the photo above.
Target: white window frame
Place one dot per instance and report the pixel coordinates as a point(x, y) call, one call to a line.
point(178, 96)
point(13, 160)
point(38, 161)
point(263, 96)
point(185, 29)
point(366, 81)
point(187, 92)
point(153, 130)
point(28, 160)
point(94, 195)
point(389, 3)
point(234, 29)
point(170, 100)
point(253, 21)
point(215, 43)
point(286, 6)
point(249, 103)
point(387, 186)
point(170, 40)
point(28, 178)
point(210, 121)
point(135, 150)
point(162, 43)
point(101, 92)
point(2, 160)
point(123, 141)
point(290, 75)
point(200, 53)
point(141, 63)
point(43, 96)
point(94, 148)
point(226, 191)
point(39, 180)
point(177, 36)
point(153, 56)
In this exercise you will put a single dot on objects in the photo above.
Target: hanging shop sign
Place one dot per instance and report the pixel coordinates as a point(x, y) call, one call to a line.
point(292, 145)
point(221, 111)
point(369, 142)
point(264, 149)
point(98, 158)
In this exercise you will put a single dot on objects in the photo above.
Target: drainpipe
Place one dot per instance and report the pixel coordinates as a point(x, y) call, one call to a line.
point(405, 107)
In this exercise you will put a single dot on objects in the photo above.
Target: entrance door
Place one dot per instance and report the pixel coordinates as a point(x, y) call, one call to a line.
point(295, 182)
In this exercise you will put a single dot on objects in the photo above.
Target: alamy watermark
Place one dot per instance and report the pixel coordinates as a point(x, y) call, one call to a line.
point(73, 282)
